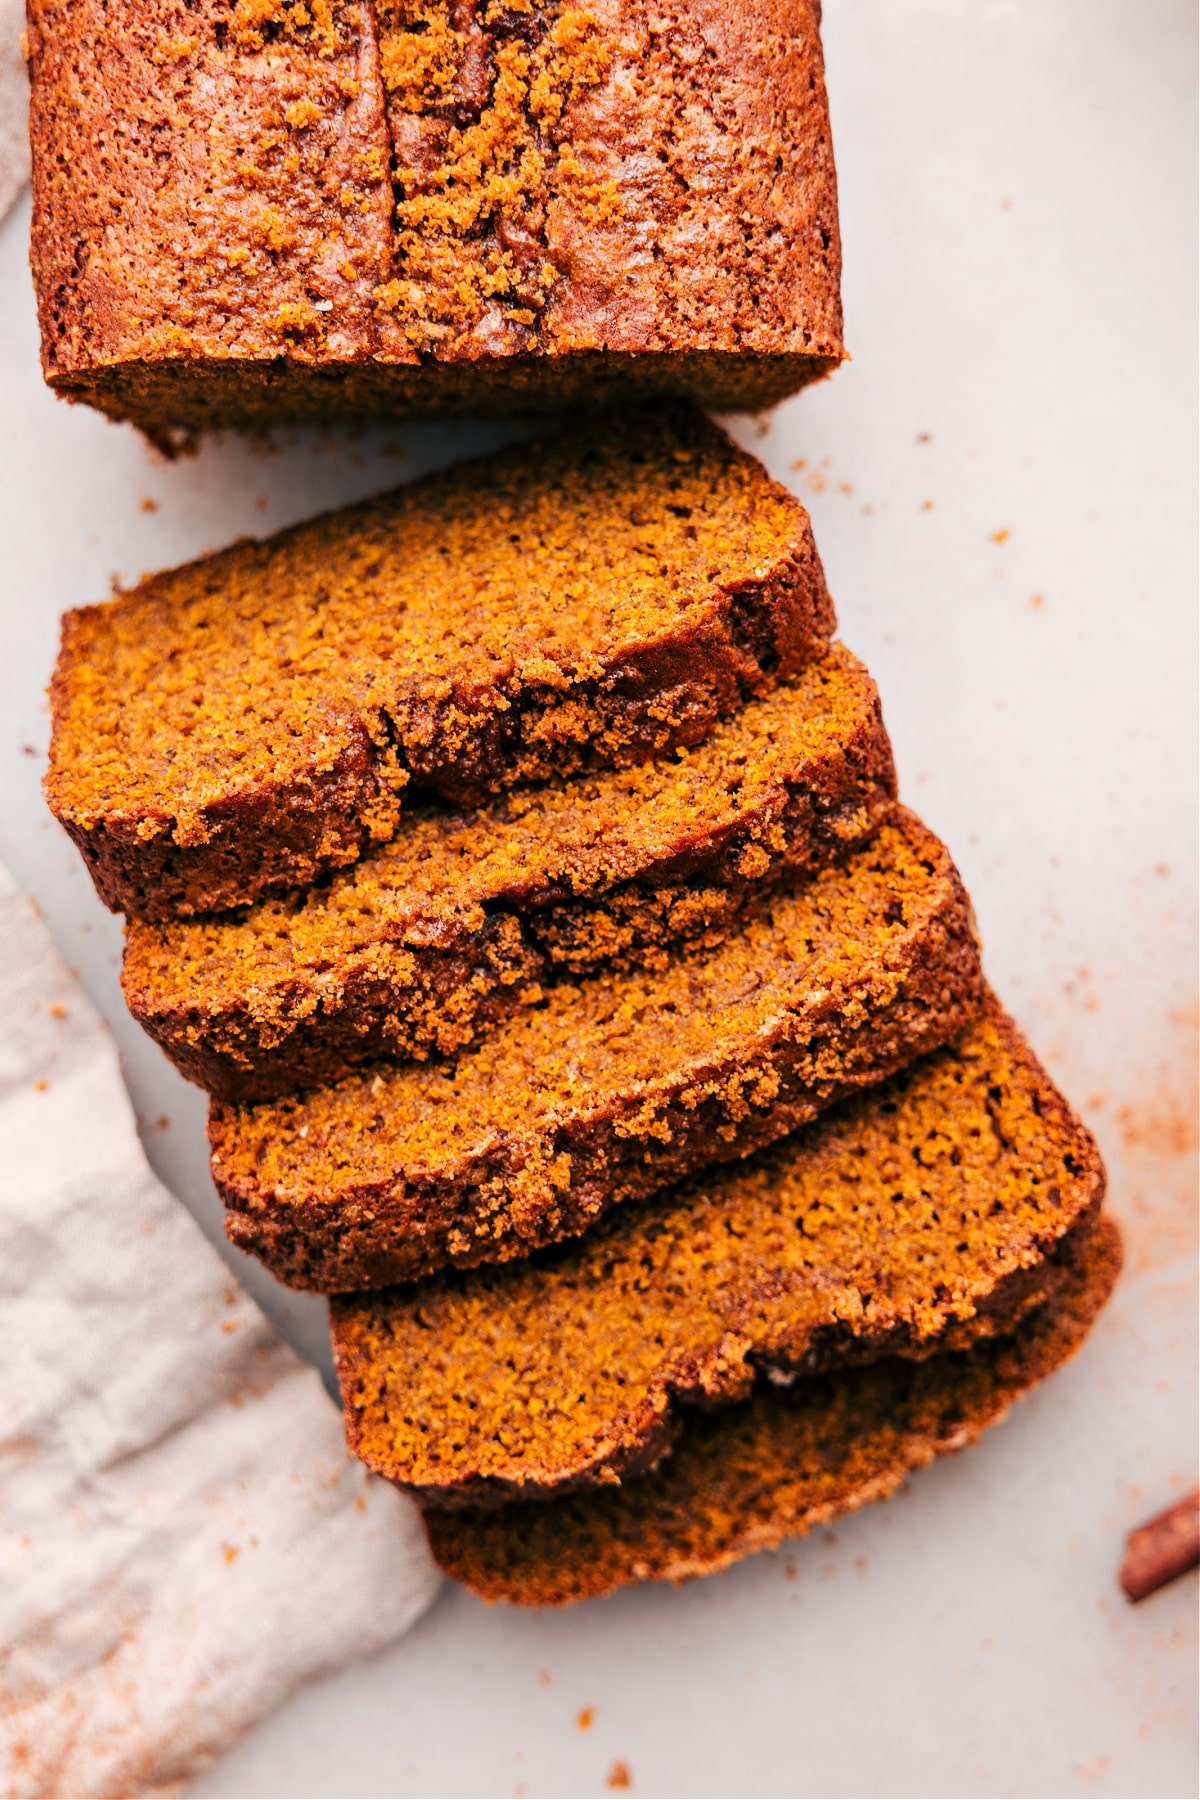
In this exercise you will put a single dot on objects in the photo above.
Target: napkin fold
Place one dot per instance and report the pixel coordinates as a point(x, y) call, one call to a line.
point(183, 1538)
point(14, 104)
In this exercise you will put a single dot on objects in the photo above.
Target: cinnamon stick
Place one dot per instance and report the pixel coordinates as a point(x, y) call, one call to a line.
point(1162, 1549)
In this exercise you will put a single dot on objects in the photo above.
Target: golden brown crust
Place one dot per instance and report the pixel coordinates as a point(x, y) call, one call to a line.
point(647, 187)
point(612, 1089)
point(209, 182)
point(240, 725)
point(917, 1217)
point(434, 937)
point(745, 1478)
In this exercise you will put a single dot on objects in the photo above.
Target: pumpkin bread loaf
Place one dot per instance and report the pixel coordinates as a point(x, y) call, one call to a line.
point(250, 211)
point(251, 720)
point(745, 1478)
point(433, 937)
point(918, 1216)
point(611, 1088)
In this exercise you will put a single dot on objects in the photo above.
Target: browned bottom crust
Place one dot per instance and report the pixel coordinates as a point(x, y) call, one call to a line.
point(433, 938)
point(745, 1478)
point(175, 401)
point(919, 1217)
point(612, 1090)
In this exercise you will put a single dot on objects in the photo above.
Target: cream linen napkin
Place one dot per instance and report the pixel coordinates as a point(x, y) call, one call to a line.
point(14, 105)
point(183, 1539)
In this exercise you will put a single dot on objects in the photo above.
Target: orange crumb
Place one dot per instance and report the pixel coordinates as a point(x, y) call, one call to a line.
point(587, 1718)
point(800, 463)
point(149, 505)
point(1000, 537)
point(229, 1325)
point(229, 1552)
point(924, 437)
point(41, 1086)
point(845, 487)
point(619, 1776)
point(28, 750)
point(1037, 602)
point(58, 1010)
point(927, 505)
point(545, 1677)
point(162, 1122)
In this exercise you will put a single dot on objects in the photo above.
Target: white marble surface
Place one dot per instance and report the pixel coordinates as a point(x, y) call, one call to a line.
point(1003, 486)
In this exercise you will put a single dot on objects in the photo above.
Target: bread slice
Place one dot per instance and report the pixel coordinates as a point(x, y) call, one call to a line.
point(919, 1215)
point(745, 1478)
point(247, 722)
point(375, 207)
point(438, 934)
point(610, 1089)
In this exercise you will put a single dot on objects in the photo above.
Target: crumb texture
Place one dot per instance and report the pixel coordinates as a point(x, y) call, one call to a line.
point(745, 1478)
point(432, 937)
point(333, 207)
point(253, 719)
point(612, 1087)
point(918, 1214)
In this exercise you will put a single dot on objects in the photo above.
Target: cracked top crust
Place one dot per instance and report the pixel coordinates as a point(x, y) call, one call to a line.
point(324, 184)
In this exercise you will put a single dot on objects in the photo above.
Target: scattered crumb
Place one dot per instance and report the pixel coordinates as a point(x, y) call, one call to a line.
point(116, 585)
point(40, 1087)
point(845, 487)
point(587, 1718)
point(162, 1122)
point(229, 1552)
point(58, 1010)
point(545, 1677)
point(1037, 602)
point(1093, 1770)
point(924, 437)
point(149, 505)
point(619, 1776)
point(927, 505)
point(260, 504)
point(1000, 537)
point(860, 1565)
point(868, 509)
point(790, 1571)
point(229, 1325)
point(28, 750)
point(800, 463)
point(1006, 206)
point(1161, 869)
